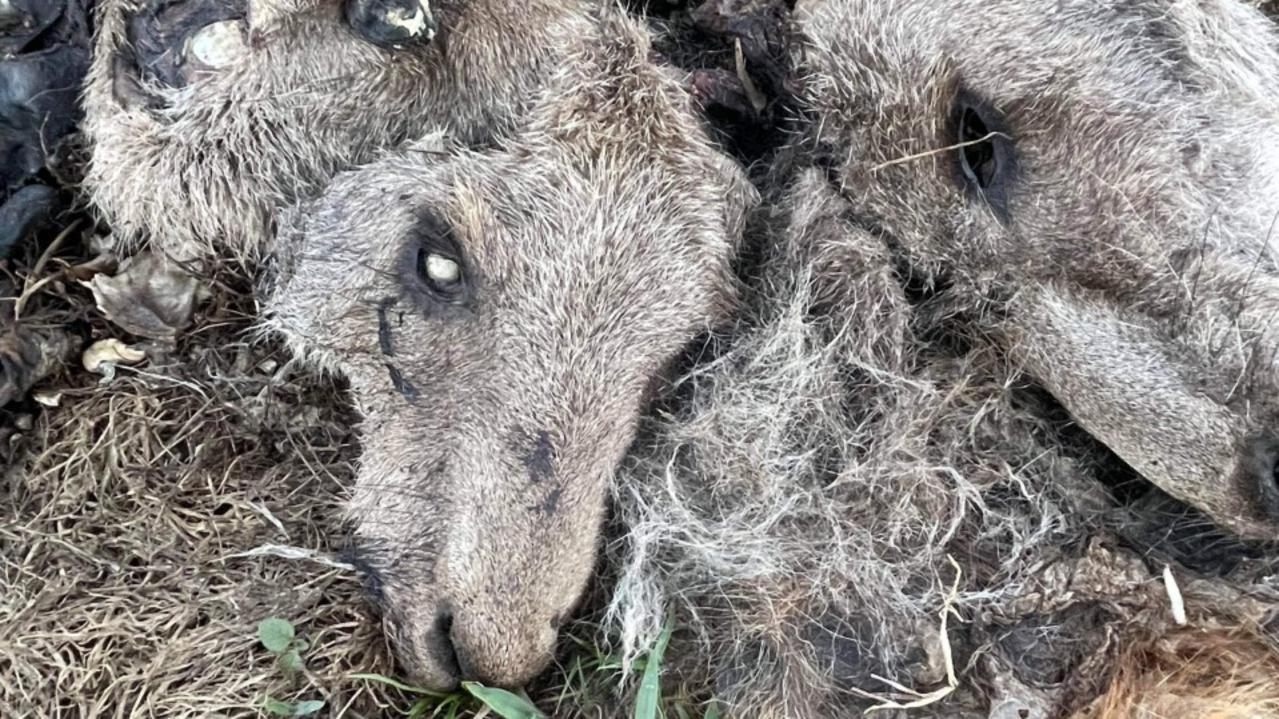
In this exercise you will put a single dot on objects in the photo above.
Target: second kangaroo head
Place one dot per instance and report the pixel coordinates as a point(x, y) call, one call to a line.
point(1096, 183)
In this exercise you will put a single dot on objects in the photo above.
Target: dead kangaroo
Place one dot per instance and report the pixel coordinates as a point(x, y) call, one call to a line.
point(1079, 191)
point(502, 316)
point(207, 115)
point(1095, 183)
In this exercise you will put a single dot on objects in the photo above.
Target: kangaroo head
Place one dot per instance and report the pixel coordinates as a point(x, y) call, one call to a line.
point(502, 317)
point(1096, 183)
point(205, 116)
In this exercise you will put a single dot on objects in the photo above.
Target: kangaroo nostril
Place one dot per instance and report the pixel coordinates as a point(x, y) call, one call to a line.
point(446, 650)
point(444, 624)
point(466, 664)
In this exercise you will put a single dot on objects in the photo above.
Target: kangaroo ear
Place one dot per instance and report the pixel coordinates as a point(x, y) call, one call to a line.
point(433, 143)
point(290, 229)
point(741, 197)
point(1232, 43)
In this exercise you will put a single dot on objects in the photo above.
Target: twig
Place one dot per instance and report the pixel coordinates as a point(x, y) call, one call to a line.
point(758, 101)
point(907, 698)
point(938, 151)
point(30, 288)
point(1174, 597)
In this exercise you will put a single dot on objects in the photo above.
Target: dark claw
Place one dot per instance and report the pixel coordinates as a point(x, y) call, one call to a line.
point(391, 23)
point(722, 93)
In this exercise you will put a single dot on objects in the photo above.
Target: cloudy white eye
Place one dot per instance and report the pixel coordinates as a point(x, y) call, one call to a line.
point(442, 270)
point(441, 274)
point(435, 265)
point(218, 44)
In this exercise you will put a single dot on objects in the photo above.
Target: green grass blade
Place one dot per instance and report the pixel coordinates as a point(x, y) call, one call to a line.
point(400, 685)
point(504, 703)
point(307, 708)
point(650, 691)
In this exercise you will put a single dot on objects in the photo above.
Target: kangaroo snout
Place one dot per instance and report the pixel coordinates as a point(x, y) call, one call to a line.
point(474, 564)
point(476, 554)
point(476, 637)
point(488, 654)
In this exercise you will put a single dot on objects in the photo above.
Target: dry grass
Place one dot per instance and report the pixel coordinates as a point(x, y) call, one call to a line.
point(124, 505)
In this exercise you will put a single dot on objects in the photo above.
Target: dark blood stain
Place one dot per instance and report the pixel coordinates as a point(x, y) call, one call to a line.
point(552, 501)
point(540, 461)
point(402, 385)
point(370, 577)
point(384, 327)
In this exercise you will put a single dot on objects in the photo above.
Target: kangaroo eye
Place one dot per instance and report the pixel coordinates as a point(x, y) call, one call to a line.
point(440, 274)
point(438, 267)
point(977, 150)
point(984, 153)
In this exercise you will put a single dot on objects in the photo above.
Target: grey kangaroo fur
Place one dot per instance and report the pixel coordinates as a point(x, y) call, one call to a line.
point(876, 412)
point(579, 256)
point(195, 153)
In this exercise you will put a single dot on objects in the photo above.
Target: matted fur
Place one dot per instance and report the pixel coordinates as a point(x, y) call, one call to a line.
point(115, 649)
point(1213, 672)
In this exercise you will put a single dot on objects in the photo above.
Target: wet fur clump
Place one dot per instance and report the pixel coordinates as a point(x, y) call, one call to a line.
point(800, 501)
